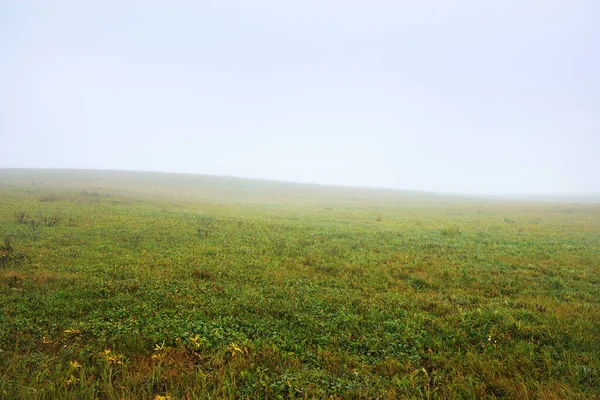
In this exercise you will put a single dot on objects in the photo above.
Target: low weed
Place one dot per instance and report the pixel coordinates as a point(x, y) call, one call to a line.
point(9, 256)
point(450, 231)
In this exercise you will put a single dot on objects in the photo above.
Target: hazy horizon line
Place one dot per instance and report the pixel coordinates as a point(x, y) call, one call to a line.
point(555, 196)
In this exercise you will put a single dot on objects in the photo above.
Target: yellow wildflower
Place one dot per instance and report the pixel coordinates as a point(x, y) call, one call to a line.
point(108, 358)
point(75, 365)
point(234, 348)
point(160, 347)
point(196, 340)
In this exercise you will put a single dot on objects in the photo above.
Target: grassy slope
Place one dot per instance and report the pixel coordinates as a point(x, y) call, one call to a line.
point(132, 285)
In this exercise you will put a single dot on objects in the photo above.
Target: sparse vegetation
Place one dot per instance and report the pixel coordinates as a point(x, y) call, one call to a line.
point(451, 231)
point(48, 198)
point(209, 289)
point(8, 254)
point(22, 217)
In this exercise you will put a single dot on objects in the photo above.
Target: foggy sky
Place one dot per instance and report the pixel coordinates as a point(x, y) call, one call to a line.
point(456, 96)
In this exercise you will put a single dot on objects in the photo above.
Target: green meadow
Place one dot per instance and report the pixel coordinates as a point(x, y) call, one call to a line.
point(126, 285)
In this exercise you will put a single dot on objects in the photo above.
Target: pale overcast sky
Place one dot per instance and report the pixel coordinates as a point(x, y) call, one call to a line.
point(457, 96)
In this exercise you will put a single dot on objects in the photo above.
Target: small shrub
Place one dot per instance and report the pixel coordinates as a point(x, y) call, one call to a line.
point(419, 283)
point(556, 284)
point(8, 254)
point(337, 251)
point(22, 217)
point(129, 286)
point(451, 231)
point(7, 244)
point(465, 275)
point(50, 221)
point(15, 282)
point(50, 198)
point(91, 194)
point(4, 257)
point(35, 231)
point(202, 275)
point(202, 231)
point(206, 226)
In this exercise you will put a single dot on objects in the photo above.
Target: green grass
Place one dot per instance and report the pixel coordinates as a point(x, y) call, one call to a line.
point(136, 285)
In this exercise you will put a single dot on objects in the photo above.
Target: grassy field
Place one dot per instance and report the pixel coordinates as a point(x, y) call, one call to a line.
point(122, 285)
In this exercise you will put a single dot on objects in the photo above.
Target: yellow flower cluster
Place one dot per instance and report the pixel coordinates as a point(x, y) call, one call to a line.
point(111, 358)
